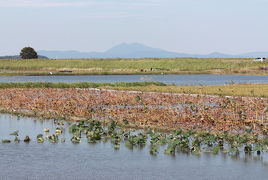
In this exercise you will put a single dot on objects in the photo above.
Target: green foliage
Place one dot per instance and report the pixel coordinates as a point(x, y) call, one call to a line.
point(6, 141)
point(16, 140)
point(27, 139)
point(186, 141)
point(53, 138)
point(28, 53)
point(15, 133)
point(40, 138)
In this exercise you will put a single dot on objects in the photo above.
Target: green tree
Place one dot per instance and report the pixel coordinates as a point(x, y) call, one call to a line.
point(28, 53)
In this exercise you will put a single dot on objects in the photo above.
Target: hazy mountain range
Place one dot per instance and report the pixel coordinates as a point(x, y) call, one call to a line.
point(135, 50)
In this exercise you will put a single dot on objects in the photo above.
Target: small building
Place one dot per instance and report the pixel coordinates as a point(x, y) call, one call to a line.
point(259, 59)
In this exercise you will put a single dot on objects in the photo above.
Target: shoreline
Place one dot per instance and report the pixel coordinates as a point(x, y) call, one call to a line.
point(48, 73)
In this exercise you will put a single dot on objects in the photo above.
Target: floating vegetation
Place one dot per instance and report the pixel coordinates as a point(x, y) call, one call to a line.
point(170, 143)
point(40, 138)
point(6, 141)
point(58, 131)
point(53, 138)
point(27, 139)
point(16, 140)
point(16, 133)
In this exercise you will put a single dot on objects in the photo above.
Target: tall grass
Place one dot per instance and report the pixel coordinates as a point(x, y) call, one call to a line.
point(255, 90)
point(173, 65)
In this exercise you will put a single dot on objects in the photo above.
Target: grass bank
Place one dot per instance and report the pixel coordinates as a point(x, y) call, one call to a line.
point(132, 66)
point(79, 85)
point(255, 90)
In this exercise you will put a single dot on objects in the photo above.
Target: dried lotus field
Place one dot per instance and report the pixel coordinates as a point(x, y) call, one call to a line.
point(141, 109)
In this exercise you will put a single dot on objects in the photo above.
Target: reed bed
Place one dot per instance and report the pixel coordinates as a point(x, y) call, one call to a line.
point(141, 109)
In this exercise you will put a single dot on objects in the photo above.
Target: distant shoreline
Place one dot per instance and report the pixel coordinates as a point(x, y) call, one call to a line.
point(43, 67)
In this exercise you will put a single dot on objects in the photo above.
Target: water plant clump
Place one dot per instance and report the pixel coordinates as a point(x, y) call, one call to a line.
point(27, 139)
point(53, 138)
point(6, 141)
point(170, 143)
point(40, 138)
point(188, 141)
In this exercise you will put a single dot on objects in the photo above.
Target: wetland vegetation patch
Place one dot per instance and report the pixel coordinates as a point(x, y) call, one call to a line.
point(141, 109)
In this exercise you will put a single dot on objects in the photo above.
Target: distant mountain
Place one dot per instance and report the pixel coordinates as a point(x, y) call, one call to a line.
point(136, 50)
point(124, 50)
point(18, 57)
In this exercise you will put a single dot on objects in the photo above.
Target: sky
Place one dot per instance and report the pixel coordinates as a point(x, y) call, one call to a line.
point(186, 26)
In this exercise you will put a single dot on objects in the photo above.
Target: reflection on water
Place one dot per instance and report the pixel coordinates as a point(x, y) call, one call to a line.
point(101, 161)
point(197, 79)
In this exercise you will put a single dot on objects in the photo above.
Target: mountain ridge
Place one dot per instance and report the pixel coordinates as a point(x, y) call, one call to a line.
point(137, 50)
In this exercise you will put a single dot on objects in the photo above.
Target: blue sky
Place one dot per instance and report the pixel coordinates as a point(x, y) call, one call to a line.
point(189, 26)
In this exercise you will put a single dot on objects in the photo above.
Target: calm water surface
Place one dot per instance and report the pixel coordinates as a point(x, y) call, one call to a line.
point(203, 79)
point(101, 161)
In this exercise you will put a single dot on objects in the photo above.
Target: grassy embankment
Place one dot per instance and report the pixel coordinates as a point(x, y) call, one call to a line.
point(132, 66)
point(256, 90)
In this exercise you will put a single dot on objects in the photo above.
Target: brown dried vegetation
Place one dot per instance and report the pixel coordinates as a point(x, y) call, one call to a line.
point(143, 109)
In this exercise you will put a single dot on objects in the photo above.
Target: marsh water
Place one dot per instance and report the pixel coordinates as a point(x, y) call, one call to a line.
point(100, 161)
point(196, 79)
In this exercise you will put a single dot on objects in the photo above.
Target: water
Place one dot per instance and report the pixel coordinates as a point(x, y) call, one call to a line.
point(101, 161)
point(204, 79)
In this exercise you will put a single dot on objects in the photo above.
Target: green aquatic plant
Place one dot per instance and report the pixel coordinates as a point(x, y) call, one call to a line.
point(188, 141)
point(116, 146)
point(27, 139)
point(6, 141)
point(153, 149)
point(40, 138)
point(16, 139)
point(15, 133)
point(171, 149)
point(53, 138)
point(112, 126)
point(216, 149)
point(75, 140)
point(93, 136)
point(248, 148)
point(58, 131)
point(196, 142)
point(136, 140)
point(158, 138)
point(196, 150)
